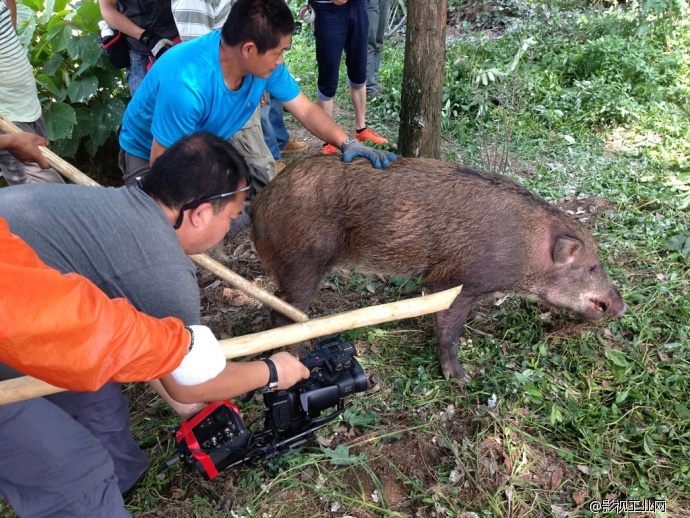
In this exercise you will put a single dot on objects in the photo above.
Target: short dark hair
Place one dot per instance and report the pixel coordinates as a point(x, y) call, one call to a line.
point(196, 166)
point(264, 22)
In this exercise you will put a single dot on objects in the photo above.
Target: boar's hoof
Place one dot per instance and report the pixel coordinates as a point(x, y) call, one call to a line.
point(455, 371)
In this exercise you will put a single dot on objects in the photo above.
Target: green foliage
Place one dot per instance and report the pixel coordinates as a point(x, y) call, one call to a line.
point(359, 417)
point(340, 456)
point(82, 94)
point(489, 14)
point(660, 16)
point(679, 243)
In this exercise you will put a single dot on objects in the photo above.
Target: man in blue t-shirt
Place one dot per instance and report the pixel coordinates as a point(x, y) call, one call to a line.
point(215, 83)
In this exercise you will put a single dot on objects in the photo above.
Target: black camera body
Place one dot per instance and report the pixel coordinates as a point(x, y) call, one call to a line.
point(335, 373)
point(216, 438)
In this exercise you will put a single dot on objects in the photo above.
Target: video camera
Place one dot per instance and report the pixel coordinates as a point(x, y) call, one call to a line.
point(216, 438)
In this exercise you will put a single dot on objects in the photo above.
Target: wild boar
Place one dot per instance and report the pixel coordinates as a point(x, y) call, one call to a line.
point(446, 223)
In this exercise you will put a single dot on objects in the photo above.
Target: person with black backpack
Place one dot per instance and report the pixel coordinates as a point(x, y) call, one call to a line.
point(149, 29)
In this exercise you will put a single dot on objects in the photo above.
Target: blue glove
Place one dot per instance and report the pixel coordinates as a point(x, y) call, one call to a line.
point(353, 147)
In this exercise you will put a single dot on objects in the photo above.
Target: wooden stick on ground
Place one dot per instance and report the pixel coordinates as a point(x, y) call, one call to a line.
point(232, 278)
point(250, 289)
point(26, 387)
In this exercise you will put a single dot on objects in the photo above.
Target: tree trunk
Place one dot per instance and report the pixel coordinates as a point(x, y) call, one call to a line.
point(422, 85)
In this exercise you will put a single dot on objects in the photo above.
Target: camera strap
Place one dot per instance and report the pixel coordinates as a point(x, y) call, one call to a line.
point(185, 436)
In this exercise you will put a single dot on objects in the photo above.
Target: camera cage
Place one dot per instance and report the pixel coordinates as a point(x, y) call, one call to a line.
point(216, 438)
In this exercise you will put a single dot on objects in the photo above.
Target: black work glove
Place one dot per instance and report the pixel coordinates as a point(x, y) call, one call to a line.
point(353, 147)
point(156, 43)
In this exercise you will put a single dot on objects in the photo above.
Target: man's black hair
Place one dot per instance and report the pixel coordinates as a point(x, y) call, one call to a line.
point(263, 22)
point(196, 166)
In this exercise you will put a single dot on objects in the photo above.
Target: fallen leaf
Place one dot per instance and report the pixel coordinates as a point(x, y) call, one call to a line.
point(556, 477)
point(506, 459)
point(323, 441)
point(583, 469)
point(455, 476)
point(307, 474)
point(579, 497)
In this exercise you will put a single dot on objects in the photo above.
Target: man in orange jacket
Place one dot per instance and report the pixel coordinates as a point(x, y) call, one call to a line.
point(65, 331)
point(102, 340)
point(71, 454)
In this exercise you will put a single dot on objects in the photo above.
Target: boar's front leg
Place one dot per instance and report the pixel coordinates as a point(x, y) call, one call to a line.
point(449, 325)
point(298, 280)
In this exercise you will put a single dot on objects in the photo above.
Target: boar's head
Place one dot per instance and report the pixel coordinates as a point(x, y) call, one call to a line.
point(576, 280)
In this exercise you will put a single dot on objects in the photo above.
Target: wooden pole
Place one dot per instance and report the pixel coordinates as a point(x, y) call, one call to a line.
point(243, 284)
point(295, 333)
point(60, 165)
point(26, 387)
point(232, 278)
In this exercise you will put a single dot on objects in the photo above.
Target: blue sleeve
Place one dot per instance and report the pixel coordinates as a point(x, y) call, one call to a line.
point(282, 85)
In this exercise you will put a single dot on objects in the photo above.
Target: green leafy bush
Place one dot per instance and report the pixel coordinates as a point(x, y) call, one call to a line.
point(488, 14)
point(583, 70)
point(82, 94)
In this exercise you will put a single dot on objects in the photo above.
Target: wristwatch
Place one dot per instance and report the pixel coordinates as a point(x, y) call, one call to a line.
point(273, 378)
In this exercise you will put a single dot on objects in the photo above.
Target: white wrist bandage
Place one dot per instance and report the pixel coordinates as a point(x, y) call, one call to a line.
point(204, 360)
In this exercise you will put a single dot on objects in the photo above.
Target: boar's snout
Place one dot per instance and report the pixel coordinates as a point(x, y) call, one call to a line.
point(616, 307)
point(610, 305)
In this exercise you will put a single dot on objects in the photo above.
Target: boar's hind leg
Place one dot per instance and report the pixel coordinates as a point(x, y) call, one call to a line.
point(449, 325)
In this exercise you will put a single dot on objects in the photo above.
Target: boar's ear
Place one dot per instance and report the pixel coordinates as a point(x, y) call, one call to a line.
point(565, 249)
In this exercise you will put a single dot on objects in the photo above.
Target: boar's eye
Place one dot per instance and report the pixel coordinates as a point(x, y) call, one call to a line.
point(594, 269)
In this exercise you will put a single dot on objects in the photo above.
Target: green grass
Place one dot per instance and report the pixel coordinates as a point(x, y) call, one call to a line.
point(583, 411)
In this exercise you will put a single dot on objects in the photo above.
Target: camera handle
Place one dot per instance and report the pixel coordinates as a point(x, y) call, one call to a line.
point(263, 446)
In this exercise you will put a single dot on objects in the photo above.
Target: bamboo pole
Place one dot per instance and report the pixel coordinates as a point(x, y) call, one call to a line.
point(19, 389)
point(225, 273)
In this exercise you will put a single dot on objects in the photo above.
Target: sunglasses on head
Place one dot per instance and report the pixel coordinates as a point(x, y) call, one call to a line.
point(205, 199)
point(196, 203)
